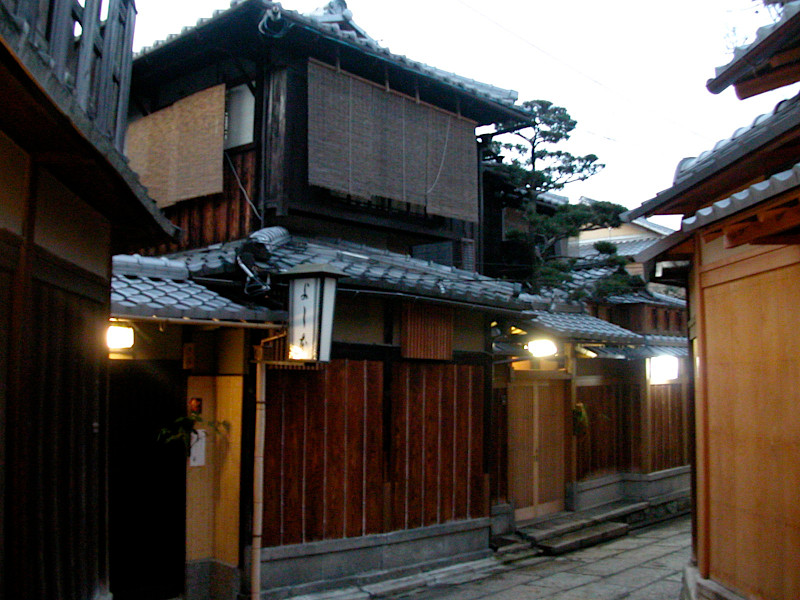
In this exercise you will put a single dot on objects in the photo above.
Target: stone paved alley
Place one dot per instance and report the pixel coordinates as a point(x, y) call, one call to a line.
point(647, 564)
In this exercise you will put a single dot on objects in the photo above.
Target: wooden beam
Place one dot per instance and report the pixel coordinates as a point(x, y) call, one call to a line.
point(770, 223)
point(785, 57)
point(710, 236)
point(778, 240)
point(780, 77)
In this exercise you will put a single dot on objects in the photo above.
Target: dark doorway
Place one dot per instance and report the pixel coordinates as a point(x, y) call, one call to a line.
point(147, 481)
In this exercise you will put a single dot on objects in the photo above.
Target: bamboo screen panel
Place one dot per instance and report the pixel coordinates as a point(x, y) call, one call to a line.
point(177, 151)
point(365, 141)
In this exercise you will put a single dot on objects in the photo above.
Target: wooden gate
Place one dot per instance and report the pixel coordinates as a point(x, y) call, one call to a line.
point(537, 426)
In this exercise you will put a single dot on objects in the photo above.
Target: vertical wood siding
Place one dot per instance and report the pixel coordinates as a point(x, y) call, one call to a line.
point(599, 449)
point(218, 217)
point(498, 458)
point(427, 331)
point(327, 466)
point(621, 437)
point(323, 460)
point(669, 430)
point(437, 444)
point(55, 482)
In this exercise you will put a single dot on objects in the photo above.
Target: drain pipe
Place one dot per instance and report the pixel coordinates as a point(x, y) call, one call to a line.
point(258, 483)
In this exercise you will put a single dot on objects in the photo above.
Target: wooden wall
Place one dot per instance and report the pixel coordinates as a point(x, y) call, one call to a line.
point(53, 440)
point(669, 426)
point(436, 452)
point(633, 428)
point(350, 453)
point(748, 421)
point(609, 444)
point(219, 217)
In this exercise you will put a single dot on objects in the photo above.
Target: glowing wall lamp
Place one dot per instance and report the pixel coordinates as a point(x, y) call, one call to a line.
point(119, 337)
point(663, 368)
point(312, 297)
point(542, 348)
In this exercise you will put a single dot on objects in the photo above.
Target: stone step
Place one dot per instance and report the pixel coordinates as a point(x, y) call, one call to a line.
point(588, 536)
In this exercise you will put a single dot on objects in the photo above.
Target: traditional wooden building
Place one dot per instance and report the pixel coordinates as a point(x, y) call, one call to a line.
point(609, 428)
point(737, 253)
point(276, 140)
point(374, 463)
point(67, 201)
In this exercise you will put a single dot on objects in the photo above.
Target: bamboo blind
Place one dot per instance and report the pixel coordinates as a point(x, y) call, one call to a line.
point(365, 141)
point(177, 151)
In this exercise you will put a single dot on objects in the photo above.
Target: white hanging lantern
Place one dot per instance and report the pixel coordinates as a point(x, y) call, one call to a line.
point(312, 298)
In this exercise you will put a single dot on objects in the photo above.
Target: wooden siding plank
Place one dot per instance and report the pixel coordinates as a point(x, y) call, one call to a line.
point(432, 444)
point(355, 397)
point(398, 446)
point(315, 452)
point(414, 440)
point(335, 455)
point(477, 479)
point(293, 418)
point(462, 396)
point(273, 479)
point(374, 471)
point(449, 443)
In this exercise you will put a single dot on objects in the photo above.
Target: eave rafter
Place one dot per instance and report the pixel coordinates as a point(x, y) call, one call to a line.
point(777, 223)
point(785, 74)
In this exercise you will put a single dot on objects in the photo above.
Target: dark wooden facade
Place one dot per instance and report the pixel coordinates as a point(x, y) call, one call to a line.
point(363, 447)
point(644, 318)
point(52, 324)
point(283, 178)
point(633, 428)
point(61, 183)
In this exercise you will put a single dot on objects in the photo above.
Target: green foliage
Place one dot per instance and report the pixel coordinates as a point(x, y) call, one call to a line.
point(580, 419)
point(618, 283)
point(606, 248)
point(535, 166)
point(183, 430)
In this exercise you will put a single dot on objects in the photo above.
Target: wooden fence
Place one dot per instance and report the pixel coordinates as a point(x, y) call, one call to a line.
point(349, 453)
point(631, 428)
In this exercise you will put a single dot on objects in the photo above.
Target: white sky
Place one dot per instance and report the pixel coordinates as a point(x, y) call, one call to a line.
point(631, 72)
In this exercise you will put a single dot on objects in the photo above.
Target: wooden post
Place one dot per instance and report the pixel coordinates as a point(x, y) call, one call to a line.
point(702, 424)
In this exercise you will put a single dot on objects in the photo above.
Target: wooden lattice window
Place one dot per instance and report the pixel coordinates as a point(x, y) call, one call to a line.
point(427, 332)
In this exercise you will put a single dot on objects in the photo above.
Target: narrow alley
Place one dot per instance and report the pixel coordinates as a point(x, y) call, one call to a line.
point(647, 564)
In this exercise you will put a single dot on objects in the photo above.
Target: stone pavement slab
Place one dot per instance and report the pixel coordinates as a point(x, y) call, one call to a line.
point(645, 565)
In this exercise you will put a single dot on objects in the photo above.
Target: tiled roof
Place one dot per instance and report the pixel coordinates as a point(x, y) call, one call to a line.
point(744, 60)
point(638, 352)
point(628, 246)
point(343, 29)
point(693, 170)
point(158, 287)
point(364, 268)
point(579, 326)
point(755, 194)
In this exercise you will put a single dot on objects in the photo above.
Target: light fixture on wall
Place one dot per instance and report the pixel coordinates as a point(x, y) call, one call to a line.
point(663, 368)
point(119, 336)
point(312, 297)
point(542, 347)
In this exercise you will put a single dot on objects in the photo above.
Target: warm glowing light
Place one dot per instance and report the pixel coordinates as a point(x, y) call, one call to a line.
point(542, 347)
point(119, 337)
point(298, 353)
point(663, 368)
